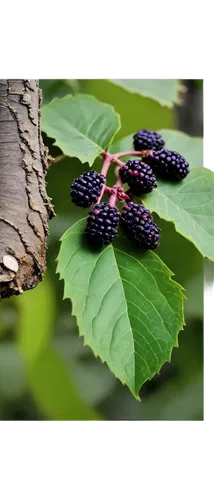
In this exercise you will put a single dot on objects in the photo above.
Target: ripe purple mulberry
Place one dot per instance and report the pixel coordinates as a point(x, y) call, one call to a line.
point(138, 224)
point(168, 164)
point(102, 224)
point(147, 139)
point(86, 188)
point(139, 176)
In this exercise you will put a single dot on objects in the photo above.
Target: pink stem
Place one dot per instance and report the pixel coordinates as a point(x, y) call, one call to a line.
point(127, 197)
point(108, 159)
point(113, 197)
point(101, 194)
point(108, 190)
point(106, 165)
point(118, 162)
point(104, 171)
point(128, 153)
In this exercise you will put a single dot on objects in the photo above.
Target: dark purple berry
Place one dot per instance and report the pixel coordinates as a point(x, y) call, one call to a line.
point(86, 188)
point(102, 224)
point(139, 226)
point(168, 164)
point(147, 139)
point(139, 176)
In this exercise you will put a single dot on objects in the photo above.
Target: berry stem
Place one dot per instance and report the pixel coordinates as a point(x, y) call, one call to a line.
point(104, 171)
point(108, 190)
point(106, 165)
point(128, 153)
point(101, 194)
point(59, 158)
point(113, 197)
point(114, 158)
point(118, 162)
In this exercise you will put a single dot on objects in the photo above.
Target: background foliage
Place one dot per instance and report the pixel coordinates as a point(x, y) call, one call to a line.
point(45, 372)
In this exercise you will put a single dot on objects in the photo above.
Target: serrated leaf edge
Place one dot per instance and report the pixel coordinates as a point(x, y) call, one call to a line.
point(162, 102)
point(172, 221)
point(169, 273)
point(85, 96)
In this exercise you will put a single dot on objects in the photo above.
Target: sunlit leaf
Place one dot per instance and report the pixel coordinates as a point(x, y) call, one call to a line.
point(162, 90)
point(81, 126)
point(190, 205)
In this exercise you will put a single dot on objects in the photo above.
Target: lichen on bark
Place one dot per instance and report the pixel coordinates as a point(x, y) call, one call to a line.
point(24, 204)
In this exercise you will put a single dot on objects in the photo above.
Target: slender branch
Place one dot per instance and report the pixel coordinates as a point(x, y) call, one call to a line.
point(117, 191)
point(106, 165)
point(118, 162)
point(113, 197)
point(59, 158)
point(104, 171)
point(108, 190)
point(128, 153)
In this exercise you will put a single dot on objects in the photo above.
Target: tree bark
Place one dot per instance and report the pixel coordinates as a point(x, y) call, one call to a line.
point(24, 204)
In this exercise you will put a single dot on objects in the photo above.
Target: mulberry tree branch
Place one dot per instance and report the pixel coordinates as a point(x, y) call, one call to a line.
point(24, 205)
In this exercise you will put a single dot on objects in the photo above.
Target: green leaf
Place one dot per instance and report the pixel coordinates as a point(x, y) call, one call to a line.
point(190, 205)
point(164, 91)
point(128, 308)
point(81, 126)
point(190, 147)
point(56, 88)
point(135, 111)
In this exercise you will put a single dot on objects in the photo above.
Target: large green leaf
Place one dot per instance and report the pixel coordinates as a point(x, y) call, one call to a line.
point(162, 90)
point(135, 111)
point(81, 126)
point(128, 308)
point(190, 205)
point(190, 147)
point(56, 88)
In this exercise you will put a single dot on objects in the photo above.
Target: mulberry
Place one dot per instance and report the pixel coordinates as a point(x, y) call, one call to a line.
point(146, 139)
point(86, 188)
point(139, 176)
point(139, 226)
point(168, 164)
point(102, 224)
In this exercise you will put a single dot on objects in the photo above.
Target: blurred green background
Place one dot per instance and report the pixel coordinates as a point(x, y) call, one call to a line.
point(46, 373)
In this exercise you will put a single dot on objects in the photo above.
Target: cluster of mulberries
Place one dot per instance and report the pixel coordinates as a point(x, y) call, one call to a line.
point(103, 219)
point(140, 175)
point(162, 162)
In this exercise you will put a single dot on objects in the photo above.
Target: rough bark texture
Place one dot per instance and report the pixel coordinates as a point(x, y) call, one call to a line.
point(24, 204)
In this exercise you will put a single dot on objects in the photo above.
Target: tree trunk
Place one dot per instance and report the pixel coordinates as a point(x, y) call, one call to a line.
point(24, 204)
